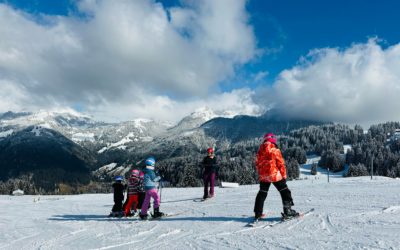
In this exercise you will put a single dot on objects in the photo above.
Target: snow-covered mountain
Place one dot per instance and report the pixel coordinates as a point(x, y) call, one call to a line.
point(123, 143)
point(48, 119)
point(83, 129)
point(47, 154)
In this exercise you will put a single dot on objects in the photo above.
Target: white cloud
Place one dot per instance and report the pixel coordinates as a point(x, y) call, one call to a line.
point(360, 84)
point(11, 96)
point(163, 108)
point(123, 47)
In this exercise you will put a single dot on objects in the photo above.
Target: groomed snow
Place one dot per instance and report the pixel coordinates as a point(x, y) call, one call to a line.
point(350, 213)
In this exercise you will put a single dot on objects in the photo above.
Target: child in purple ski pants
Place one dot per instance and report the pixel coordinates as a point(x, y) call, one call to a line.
point(150, 179)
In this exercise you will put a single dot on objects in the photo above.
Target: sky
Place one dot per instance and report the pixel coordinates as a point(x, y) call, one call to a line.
point(119, 60)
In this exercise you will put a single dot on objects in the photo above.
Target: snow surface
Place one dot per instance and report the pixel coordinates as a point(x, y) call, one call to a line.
point(6, 133)
point(350, 213)
point(119, 144)
point(79, 137)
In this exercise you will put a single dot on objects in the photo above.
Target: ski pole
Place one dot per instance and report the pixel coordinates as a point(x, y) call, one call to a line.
point(160, 189)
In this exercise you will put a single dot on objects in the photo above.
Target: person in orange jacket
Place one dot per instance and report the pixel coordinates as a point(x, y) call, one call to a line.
point(271, 168)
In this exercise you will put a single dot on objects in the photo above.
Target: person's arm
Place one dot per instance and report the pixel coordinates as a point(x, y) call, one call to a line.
point(280, 162)
point(203, 163)
point(214, 165)
point(260, 157)
point(154, 177)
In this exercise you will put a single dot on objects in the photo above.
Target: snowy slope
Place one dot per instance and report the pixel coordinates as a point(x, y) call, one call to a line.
point(350, 213)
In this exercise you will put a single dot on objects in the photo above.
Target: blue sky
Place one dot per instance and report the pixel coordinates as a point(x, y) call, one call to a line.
point(271, 37)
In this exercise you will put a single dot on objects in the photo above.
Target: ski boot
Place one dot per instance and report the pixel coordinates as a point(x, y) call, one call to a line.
point(157, 213)
point(259, 216)
point(289, 213)
point(143, 216)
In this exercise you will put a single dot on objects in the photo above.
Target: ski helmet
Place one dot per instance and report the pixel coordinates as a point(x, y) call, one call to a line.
point(150, 161)
point(270, 137)
point(135, 173)
point(210, 150)
point(119, 178)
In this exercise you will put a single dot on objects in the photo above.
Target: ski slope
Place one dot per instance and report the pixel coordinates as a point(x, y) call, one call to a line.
point(350, 213)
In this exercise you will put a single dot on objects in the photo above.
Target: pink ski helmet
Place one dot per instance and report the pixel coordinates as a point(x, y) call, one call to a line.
point(210, 150)
point(270, 137)
point(135, 173)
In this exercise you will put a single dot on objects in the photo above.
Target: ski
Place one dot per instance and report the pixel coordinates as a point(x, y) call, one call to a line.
point(283, 219)
point(256, 221)
point(259, 223)
point(164, 216)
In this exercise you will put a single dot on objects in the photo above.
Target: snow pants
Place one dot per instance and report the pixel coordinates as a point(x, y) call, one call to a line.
point(152, 193)
point(283, 189)
point(209, 179)
point(131, 202)
point(117, 206)
point(142, 195)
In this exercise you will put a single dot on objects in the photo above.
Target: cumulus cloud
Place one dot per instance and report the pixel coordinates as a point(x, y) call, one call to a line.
point(115, 52)
point(359, 84)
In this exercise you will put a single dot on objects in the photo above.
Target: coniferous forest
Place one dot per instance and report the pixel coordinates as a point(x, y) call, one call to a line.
point(375, 148)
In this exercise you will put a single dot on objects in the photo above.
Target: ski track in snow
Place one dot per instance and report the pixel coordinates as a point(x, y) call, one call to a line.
point(350, 213)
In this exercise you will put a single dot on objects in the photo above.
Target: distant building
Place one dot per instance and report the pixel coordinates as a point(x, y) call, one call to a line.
point(346, 148)
point(18, 192)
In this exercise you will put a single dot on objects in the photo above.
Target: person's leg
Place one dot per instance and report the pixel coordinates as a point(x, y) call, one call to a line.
point(212, 182)
point(206, 177)
point(261, 196)
point(141, 199)
point(155, 197)
point(284, 191)
point(286, 196)
point(135, 201)
point(118, 204)
point(128, 205)
point(115, 207)
point(146, 203)
point(156, 206)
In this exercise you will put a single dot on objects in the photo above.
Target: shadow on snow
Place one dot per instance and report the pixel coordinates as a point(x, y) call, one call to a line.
point(97, 217)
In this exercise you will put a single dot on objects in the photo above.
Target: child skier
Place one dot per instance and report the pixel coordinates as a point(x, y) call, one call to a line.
point(142, 192)
point(150, 180)
point(209, 164)
point(118, 196)
point(135, 186)
point(271, 169)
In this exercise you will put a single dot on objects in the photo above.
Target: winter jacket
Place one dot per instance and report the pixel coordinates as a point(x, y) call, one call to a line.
point(135, 185)
point(150, 179)
point(270, 164)
point(118, 191)
point(210, 165)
